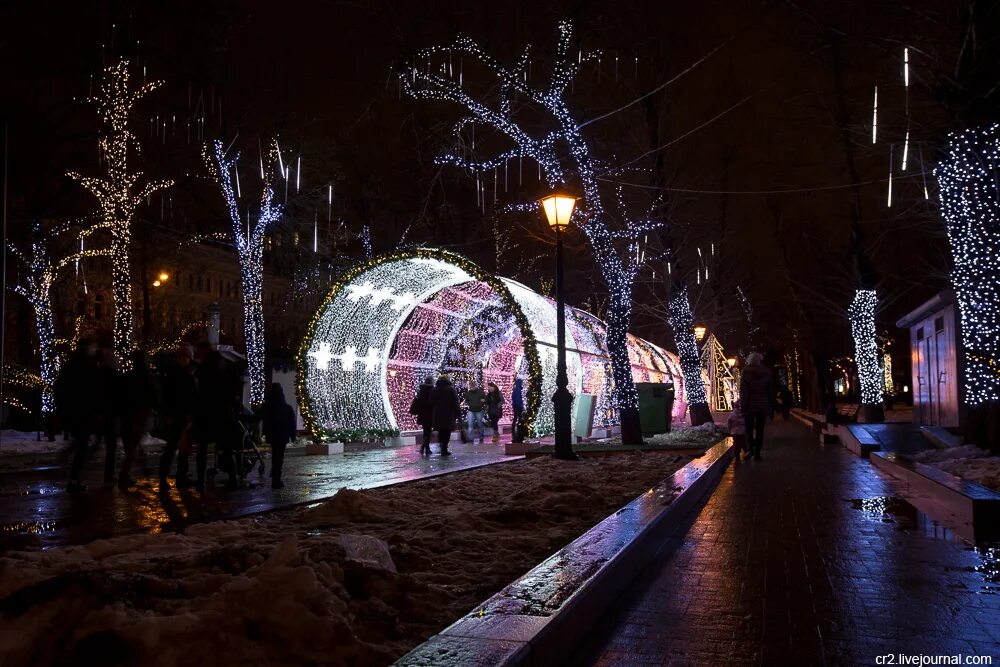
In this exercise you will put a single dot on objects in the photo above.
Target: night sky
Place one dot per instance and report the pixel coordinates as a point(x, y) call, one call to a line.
point(788, 88)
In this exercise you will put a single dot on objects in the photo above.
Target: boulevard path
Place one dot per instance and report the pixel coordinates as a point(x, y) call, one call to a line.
point(36, 511)
point(808, 557)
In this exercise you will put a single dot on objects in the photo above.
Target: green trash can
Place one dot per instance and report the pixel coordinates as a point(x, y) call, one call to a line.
point(656, 403)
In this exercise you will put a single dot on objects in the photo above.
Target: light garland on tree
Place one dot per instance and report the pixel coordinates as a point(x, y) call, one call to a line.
point(118, 191)
point(862, 315)
point(41, 274)
point(397, 318)
point(248, 239)
point(971, 209)
point(682, 322)
point(424, 81)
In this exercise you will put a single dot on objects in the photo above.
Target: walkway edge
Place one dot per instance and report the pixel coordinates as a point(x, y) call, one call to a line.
point(536, 619)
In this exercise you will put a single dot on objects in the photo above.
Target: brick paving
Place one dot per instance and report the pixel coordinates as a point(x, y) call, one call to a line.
point(805, 558)
point(37, 512)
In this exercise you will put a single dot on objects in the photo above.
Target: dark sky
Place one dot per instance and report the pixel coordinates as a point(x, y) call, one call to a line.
point(319, 74)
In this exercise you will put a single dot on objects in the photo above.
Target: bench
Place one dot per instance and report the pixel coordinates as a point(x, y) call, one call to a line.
point(857, 439)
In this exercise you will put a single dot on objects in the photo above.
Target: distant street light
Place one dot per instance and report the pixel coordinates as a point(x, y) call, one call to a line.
point(164, 276)
point(731, 361)
point(156, 283)
point(699, 332)
point(558, 211)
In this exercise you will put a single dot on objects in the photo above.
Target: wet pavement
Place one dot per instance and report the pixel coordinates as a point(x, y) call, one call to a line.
point(37, 512)
point(809, 557)
point(896, 437)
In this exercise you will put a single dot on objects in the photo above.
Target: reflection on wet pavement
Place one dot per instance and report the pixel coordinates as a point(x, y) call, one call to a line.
point(808, 557)
point(36, 511)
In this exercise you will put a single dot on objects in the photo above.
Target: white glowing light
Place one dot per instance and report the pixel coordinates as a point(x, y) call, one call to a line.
point(875, 116)
point(862, 315)
point(906, 150)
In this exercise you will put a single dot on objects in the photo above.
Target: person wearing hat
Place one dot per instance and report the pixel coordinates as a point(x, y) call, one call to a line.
point(423, 409)
point(757, 401)
point(445, 411)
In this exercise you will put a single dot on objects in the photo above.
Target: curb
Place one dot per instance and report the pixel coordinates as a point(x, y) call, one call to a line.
point(533, 620)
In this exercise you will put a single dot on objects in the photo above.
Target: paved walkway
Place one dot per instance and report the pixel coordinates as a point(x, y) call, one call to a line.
point(805, 558)
point(36, 511)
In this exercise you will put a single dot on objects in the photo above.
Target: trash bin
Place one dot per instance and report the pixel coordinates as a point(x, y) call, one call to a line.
point(656, 402)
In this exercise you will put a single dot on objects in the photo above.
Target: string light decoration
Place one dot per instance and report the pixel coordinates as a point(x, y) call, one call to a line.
point(394, 319)
point(681, 320)
point(118, 191)
point(721, 386)
point(429, 78)
point(248, 239)
point(41, 272)
point(967, 176)
point(862, 315)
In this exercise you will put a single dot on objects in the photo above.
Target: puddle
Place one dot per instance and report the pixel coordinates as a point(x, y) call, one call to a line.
point(27, 527)
point(905, 517)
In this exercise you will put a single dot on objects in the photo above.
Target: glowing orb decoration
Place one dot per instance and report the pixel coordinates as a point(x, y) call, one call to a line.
point(396, 319)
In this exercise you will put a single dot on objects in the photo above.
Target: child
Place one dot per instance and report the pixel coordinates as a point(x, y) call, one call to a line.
point(738, 430)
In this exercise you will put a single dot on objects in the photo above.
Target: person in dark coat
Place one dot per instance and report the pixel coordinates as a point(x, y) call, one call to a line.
point(180, 389)
point(75, 400)
point(757, 400)
point(445, 411)
point(423, 409)
point(107, 392)
point(494, 410)
point(138, 398)
point(278, 419)
point(786, 402)
point(219, 389)
point(517, 410)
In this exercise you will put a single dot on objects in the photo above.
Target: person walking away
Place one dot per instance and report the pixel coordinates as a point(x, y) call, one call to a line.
point(738, 430)
point(107, 391)
point(180, 388)
point(215, 412)
point(757, 399)
point(475, 400)
point(138, 398)
point(517, 410)
point(786, 402)
point(445, 411)
point(423, 409)
point(494, 410)
point(278, 419)
point(75, 399)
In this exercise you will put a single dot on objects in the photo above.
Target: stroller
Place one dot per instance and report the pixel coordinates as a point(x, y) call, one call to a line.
point(238, 460)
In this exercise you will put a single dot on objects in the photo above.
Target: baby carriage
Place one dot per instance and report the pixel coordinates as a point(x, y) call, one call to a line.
point(242, 455)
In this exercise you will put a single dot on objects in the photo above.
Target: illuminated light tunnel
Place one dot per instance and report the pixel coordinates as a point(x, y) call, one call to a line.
point(399, 318)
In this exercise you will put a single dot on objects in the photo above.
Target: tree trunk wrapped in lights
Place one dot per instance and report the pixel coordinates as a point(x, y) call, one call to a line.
point(433, 76)
point(248, 239)
point(968, 177)
point(41, 274)
point(682, 322)
point(118, 191)
point(862, 315)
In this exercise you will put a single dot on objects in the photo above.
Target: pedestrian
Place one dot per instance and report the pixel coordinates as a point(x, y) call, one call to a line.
point(423, 409)
point(138, 398)
point(757, 400)
point(445, 411)
point(738, 430)
point(107, 393)
point(215, 412)
point(180, 388)
point(517, 410)
point(494, 410)
point(475, 401)
point(75, 400)
point(786, 402)
point(278, 419)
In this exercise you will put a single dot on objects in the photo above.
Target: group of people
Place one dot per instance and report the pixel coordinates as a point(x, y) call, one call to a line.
point(199, 401)
point(437, 408)
point(755, 406)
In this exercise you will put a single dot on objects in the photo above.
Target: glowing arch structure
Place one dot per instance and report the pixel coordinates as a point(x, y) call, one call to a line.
point(398, 318)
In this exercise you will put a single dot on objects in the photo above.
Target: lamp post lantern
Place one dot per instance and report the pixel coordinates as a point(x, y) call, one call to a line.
point(558, 210)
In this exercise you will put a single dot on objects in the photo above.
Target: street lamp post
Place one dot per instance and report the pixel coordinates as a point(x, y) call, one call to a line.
point(558, 210)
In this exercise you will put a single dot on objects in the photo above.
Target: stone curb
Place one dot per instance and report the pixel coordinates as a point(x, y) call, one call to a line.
point(536, 619)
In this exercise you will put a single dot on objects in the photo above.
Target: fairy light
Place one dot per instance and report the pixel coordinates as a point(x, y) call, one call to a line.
point(249, 244)
point(906, 67)
point(875, 116)
point(681, 320)
point(906, 150)
point(967, 177)
point(862, 316)
point(118, 191)
point(41, 271)
point(618, 271)
point(397, 318)
point(888, 201)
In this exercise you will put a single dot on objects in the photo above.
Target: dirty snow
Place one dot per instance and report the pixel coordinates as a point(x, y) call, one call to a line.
point(357, 580)
point(969, 462)
point(687, 438)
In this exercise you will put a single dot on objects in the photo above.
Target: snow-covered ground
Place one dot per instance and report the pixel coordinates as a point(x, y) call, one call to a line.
point(356, 580)
point(969, 462)
point(19, 443)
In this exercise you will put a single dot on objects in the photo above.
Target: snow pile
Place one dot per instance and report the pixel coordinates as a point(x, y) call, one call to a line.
point(19, 443)
point(687, 438)
point(969, 462)
point(357, 580)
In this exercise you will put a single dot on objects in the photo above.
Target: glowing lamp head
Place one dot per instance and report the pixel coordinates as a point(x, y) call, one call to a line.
point(156, 283)
point(731, 361)
point(164, 276)
point(558, 210)
point(699, 332)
